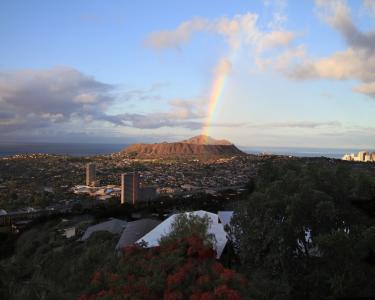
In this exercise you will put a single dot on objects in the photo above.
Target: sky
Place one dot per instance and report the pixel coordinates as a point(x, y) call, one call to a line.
point(258, 73)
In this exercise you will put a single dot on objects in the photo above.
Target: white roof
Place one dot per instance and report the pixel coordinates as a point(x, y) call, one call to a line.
point(3, 212)
point(225, 217)
point(152, 238)
point(114, 226)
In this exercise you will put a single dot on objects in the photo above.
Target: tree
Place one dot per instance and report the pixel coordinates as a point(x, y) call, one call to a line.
point(186, 225)
point(299, 236)
point(179, 269)
point(184, 266)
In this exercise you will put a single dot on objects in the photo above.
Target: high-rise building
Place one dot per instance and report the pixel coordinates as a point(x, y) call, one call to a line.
point(129, 187)
point(362, 155)
point(90, 174)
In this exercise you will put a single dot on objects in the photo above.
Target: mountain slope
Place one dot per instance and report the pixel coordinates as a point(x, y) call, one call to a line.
point(200, 146)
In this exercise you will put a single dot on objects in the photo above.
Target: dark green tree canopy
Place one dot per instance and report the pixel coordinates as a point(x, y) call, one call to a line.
point(300, 233)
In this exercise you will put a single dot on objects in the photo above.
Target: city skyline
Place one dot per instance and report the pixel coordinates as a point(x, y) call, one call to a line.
point(265, 73)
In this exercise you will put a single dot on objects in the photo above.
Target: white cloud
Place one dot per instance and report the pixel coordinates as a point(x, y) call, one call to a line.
point(356, 62)
point(275, 39)
point(366, 88)
point(175, 38)
point(370, 6)
point(239, 30)
point(224, 67)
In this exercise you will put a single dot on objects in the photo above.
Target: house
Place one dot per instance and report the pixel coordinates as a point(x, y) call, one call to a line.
point(217, 229)
point(69, 232)
point(114, 226)
point(135, 230)
point(225, 217)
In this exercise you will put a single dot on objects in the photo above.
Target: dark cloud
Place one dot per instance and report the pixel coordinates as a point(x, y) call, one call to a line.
point(6, 115)
point(37, 98)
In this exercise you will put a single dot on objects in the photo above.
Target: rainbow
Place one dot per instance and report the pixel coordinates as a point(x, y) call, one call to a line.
point(218, 84)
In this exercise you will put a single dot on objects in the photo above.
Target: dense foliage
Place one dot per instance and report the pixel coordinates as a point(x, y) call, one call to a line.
point(307, 231)
point(179, 269)
point(47, 266)
point(184, 266)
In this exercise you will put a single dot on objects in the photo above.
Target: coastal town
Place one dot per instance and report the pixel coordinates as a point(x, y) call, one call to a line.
point(42, 184)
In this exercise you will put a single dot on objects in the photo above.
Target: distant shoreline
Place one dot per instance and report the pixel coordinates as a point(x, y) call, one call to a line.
point(88, 149)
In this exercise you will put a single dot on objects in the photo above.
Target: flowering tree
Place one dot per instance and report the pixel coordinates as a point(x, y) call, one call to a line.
point(181, 268)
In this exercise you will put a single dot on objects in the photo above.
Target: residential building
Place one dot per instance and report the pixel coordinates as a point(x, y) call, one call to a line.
point(114, 226)
point(90, 174)
point(134, 231)
point(129, 187)
point(147, 193)
point(217, 229)
point(363, 156)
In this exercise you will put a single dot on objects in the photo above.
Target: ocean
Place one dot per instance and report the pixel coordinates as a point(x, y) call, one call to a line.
point(76, 149)
point(71, 149)
point(302, 152)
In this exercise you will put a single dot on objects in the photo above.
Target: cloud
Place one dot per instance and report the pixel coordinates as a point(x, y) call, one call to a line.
point(237, 31)
point(38, 98)
point(356, 62)
point(297, 124)
point(143, 94)
point(366, 88)
point(283, 61)
point(275, 39)
point(175, 38)
point(370, 6)
point(224, 67)
point(182, 113)
point(31, 100)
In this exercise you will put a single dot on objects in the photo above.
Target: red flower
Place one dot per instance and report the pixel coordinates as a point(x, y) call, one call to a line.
point(96, 277)
point(227, 274)
point(194, 240)
point(195, 297)
point(227, 293)
point(206, 253)
point(170, 247)
point(102, 294)
point(172, 272)
point(175, 278)
point(129, 250)
point(173, 295)
point(204, 279)
point(188, 266)
point(191, 251)
point(217, 268)
point(206, 296)
point(233, 295)
point(113, 277)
